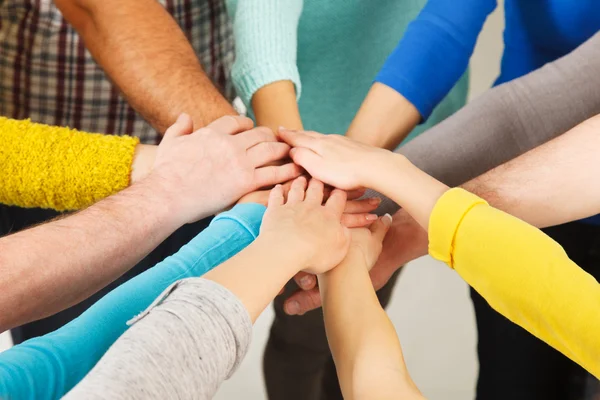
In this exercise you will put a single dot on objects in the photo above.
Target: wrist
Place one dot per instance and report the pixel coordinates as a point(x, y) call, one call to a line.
point(290, 256)
point(143, 160)
point(381, 171)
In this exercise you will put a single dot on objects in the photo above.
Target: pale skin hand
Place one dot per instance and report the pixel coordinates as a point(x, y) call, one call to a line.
point(227, 159)
point(84, 252)
point(156, 69)
point(363, 341)
point(384, 119)
point(299, 233)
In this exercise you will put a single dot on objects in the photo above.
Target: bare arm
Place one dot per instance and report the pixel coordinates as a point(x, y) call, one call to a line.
point(146, 54)
point(363, 341)
point(384, 119)
point(275, 105)
point(67, 260)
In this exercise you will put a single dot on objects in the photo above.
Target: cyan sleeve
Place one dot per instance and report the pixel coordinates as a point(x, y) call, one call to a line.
point(49, 366)
point(266, 41)
point(435, 51)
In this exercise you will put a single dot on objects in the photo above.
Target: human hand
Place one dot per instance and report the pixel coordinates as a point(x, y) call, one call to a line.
point(356, 212)
point(143, 160)
point(203, 172)
point(312, 230)
point(367, 243)
point(404, 242)
point(334, 159)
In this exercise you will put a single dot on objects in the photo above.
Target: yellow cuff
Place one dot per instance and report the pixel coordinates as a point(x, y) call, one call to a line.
point(60, 168)
point(445, 219)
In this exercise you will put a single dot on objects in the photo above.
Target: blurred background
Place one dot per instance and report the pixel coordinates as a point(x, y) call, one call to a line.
point(430, 308)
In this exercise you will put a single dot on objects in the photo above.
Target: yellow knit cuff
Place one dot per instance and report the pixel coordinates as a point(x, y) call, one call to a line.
point(60, 168)
point(445, 220)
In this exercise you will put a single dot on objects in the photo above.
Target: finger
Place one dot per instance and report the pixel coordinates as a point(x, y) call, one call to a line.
point(276, 197)
point(380, 227)
point(307, 159)
point(336, 202)
point(267, 152)
point(358, 220)
point(182, 126)
point(356, 193)
point(269, 176)
point(302, 301)
point(298, 138)
point(296, 194)
point(230, 124)
point(314, 193)
point(255, 136)
point(305, 281)
point(361, 206)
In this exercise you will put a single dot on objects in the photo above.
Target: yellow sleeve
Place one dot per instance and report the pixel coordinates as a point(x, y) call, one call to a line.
point(60, 168)
point(521, 272)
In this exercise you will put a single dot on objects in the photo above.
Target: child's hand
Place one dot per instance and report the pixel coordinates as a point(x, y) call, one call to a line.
point(309, 229)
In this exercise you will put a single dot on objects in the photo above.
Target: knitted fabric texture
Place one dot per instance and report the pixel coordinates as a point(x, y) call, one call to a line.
point(60, 168)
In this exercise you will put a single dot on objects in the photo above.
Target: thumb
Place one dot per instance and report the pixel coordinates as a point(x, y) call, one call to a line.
point(183, 126)
point(380, 227)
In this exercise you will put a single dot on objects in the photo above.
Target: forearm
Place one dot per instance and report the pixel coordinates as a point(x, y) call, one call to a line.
point(272, 266)
point(275, 106)
point(67, 260)
point(63, 169)
point(511, 119)
point(183, 346)
point(550, 185)
point(362, 339)
point(384, 119)
point(78, 346)
point(521, 272)
point(156, 69)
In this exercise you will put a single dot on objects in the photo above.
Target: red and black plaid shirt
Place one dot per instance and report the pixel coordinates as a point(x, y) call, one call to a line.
point(46, 73)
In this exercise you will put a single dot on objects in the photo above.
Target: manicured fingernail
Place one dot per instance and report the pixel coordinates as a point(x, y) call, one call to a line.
point(375, 201)
point(371, 217)
point(292, 308)
point(306, 281)
point(282, 128)
point(387, 219)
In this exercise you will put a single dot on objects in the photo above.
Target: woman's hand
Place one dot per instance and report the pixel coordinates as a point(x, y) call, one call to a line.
point(367, 243)
point(308, 228)
point(357, 213)
point(334, 159)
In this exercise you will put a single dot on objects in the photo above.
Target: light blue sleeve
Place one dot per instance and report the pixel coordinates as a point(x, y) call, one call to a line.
point(49, 366)
point(266, 43)
point(435, 51)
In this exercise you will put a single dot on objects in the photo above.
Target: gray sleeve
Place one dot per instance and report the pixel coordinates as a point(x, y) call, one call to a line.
point(509, 120)
point(183, 346)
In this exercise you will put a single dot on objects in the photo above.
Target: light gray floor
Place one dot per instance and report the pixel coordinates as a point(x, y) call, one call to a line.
point(430, 309)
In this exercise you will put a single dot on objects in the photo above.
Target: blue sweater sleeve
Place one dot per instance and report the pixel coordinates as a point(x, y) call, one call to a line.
point(434, 51)
point(49, 366)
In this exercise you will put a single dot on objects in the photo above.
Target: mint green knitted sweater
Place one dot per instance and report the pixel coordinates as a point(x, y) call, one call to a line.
point(331, 50)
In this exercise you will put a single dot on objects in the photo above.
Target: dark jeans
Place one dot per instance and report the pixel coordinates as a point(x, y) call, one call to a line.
point(14, 219)
point(516, 365)
point(297, 362)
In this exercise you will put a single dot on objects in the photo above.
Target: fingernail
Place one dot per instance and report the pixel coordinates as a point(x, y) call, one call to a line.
point(181, 117)
point(292, 308)
point(387, 219)
point(371, 217)
point(306, 281)
point(374, 201)
point(282, 128)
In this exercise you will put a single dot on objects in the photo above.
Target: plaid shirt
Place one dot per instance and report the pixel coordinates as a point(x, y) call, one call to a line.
point(46, 73)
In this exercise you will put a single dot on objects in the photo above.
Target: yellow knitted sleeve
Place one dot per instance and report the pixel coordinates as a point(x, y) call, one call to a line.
point(60, 168)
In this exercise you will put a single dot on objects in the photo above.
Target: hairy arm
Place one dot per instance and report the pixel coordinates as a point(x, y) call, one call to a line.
point(83, 252)
point(146, 54)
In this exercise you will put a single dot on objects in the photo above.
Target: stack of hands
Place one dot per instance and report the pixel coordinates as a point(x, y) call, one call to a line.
point(200, 173)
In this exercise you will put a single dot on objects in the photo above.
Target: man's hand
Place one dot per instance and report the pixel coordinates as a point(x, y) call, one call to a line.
point(405, 241)
point(312, 229)
point(203, 172)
